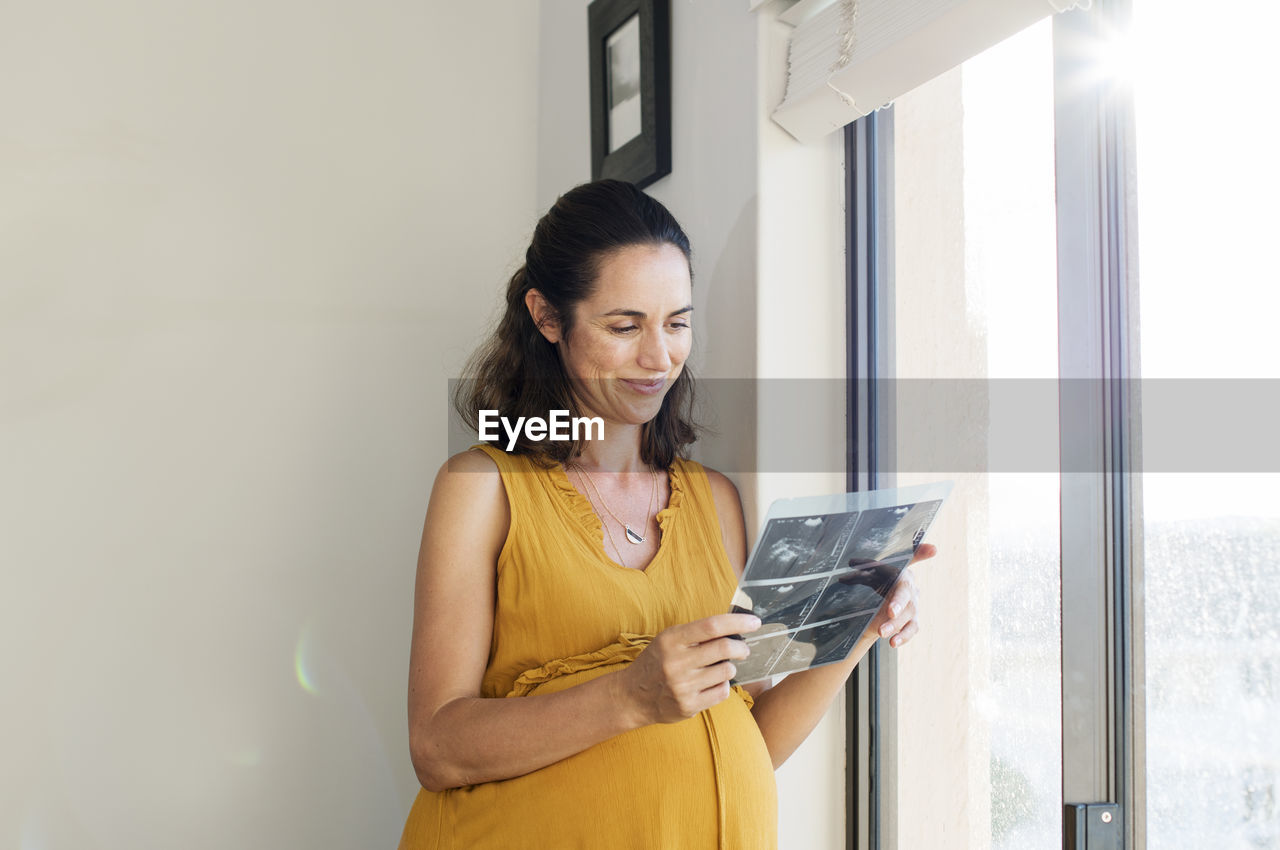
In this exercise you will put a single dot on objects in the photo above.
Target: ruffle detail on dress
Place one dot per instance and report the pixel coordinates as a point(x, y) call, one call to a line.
point(623, 651)
point(675, 475)
point(579, 505)
point(582, 511)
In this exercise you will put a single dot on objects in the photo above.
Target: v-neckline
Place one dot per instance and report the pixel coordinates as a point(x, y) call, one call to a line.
point(585, 513)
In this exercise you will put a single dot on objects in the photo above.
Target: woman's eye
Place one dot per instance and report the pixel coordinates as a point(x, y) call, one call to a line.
point(679, 325)
point(624, 330)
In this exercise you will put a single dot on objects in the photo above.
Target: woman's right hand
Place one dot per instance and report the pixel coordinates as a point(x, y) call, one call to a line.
point(686, 668)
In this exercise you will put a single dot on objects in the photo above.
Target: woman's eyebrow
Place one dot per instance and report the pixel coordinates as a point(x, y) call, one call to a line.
point(639, 314)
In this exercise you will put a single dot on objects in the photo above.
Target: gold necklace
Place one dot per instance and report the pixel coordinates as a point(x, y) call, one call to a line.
point(614, 543)
point(631, 535)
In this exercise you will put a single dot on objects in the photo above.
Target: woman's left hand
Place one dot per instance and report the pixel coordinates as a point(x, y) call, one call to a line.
point(899, 619)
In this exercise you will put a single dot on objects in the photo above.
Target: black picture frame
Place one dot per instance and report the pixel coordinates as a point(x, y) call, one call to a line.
point(647, 156)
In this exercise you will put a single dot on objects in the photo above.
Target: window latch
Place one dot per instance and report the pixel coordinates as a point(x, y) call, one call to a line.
point(1092, 826)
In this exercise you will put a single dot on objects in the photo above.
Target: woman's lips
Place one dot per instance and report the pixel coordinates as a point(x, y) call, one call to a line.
point(646, 387)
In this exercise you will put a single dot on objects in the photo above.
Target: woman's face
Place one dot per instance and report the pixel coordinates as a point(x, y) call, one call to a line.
point(630, 338)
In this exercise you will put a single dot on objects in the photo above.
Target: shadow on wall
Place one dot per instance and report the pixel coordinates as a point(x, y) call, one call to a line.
point(728, 347)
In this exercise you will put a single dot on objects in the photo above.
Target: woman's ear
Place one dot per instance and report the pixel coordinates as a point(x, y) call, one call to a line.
point(544, 316)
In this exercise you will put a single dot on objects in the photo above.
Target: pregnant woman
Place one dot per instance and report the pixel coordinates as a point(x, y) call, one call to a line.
point(571, 659)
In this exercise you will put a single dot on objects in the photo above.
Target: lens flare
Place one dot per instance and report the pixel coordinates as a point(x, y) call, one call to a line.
point(302, 661)
point(1117, 57)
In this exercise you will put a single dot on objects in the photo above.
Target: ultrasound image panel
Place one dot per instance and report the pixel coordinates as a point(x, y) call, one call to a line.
point(800, 546)
point(798, 655)
point(789, 602)
point(887, 533)
point(877, 575)
point(834, 641)
point(766, 644)
point(841, 600)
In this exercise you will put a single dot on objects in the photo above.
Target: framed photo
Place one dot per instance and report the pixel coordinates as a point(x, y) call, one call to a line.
point(630, 89)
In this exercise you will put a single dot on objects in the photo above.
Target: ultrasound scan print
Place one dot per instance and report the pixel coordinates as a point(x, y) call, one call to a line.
point(817, 579)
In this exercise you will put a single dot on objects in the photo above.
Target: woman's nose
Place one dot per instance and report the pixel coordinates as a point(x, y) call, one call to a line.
point(654, 353)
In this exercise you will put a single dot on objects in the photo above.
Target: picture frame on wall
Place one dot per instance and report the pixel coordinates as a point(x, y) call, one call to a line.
point(630, 53)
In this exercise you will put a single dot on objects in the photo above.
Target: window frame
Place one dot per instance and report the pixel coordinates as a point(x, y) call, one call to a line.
point(1103, 669)
point(871, 733)
point(1103, 712)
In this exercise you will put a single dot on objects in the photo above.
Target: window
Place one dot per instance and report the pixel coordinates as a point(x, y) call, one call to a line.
point(973, 289)
point(1103, 627)
point(1211, 539)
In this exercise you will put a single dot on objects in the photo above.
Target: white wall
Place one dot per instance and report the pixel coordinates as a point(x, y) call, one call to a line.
point(242, 245)
point(802, 308)
point(765, 218)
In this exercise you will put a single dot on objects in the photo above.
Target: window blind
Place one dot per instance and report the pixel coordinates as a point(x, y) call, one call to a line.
point(849, 57)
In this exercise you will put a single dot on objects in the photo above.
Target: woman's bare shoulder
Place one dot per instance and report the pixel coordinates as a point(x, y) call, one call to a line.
point(470, 480)
point(471, 460)
point(724, 490)
point(729, 512)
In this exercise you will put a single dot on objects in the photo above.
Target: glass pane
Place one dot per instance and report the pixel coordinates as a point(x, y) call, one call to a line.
point(1207, 180)
point(975, 303)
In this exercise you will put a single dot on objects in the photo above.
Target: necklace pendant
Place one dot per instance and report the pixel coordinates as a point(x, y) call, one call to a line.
point(632, 537)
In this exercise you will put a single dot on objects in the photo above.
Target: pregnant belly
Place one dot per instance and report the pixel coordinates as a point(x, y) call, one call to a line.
point(705, 782)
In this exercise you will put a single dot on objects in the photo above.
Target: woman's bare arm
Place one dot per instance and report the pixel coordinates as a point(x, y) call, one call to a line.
point(456, 737)
point(787, 712)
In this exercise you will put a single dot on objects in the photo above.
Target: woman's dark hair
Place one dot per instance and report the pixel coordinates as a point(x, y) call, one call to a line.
point(519, 373)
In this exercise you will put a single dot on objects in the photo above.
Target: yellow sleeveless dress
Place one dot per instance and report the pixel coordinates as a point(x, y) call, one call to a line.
point(565, 613)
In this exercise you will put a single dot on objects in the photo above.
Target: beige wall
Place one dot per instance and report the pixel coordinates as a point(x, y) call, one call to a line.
point(942, 751)
point(242, 245)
